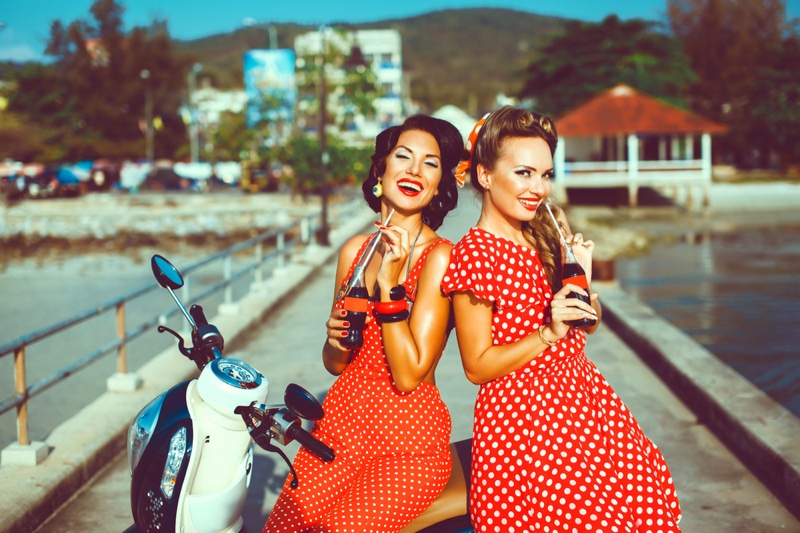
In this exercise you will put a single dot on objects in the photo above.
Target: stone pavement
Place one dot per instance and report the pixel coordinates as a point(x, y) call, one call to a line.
point(717, 492)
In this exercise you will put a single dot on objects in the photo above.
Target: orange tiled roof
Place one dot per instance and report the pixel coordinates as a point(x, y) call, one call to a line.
point(624, 110)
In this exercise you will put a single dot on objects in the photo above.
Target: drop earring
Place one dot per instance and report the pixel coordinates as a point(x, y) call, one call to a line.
point(377, 190)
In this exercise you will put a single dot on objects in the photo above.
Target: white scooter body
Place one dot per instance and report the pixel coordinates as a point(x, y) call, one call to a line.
point(221, 464)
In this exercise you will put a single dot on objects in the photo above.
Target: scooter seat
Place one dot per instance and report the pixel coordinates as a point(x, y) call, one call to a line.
point(448, 513)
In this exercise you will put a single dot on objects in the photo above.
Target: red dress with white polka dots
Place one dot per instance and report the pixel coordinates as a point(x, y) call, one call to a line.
point(392, 447)
point(554, 448)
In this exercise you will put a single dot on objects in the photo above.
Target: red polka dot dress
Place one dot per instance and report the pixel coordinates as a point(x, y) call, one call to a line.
point(554, 448)
point(392, 448)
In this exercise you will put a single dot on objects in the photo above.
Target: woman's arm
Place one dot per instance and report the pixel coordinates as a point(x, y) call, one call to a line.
point(335, 357)
point(484, 361)
point(413, 348)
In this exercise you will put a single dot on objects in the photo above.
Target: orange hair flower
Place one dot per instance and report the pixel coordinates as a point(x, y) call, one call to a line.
point(463, 166)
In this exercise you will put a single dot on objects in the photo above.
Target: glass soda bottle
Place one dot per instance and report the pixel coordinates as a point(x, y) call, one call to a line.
point(356, 303)
point(356, 297)
point(573, 273)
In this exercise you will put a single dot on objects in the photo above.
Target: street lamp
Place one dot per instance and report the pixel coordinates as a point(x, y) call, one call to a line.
point(193, 130)
point(148, 114)
point(322, 233)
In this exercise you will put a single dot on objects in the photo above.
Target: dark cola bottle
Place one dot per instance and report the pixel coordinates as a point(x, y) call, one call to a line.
point(356, 303)
point(573, 273)
point(356, 297)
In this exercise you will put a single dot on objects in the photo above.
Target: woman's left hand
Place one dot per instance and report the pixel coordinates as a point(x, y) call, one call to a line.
point(583, 252)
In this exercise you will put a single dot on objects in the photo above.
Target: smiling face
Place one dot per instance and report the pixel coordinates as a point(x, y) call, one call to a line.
point(413, 171)
point(520, 179)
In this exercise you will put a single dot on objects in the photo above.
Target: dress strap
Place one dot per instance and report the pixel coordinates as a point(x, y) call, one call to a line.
point(410, 282)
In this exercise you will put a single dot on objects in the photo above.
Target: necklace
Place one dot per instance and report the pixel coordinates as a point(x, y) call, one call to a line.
point(411, 252)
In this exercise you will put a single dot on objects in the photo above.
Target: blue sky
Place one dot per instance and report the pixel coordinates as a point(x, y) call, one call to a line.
point(26, 23)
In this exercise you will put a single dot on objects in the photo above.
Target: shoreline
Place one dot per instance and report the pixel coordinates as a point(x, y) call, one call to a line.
point(621, 231)
point(37, 232)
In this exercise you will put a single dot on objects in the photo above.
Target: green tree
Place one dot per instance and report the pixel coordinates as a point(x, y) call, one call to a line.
point(588, 58)
point(729, 43)
point(93, 94)
point(776, 103)
point(350, 84)
point(348, 165)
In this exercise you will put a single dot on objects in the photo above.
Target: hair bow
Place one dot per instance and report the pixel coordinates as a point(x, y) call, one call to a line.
point(463, 166)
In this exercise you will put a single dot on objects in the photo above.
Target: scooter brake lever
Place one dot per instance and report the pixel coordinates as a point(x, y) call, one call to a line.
point(181, 343)
point(259, 430)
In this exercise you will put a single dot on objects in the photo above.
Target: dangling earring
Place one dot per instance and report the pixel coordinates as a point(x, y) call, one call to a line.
point(377, 190)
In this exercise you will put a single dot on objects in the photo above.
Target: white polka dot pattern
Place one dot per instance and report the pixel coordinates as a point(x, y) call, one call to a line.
point(392, 449)
point(554, 448)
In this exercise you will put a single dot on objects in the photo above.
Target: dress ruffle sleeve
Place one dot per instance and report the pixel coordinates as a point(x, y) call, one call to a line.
point(472, 267)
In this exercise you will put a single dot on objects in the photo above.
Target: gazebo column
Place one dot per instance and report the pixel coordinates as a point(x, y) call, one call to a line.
point(705, 167)
point(662, 148)
point(690, 147)
point(675, 151)
point(633, 169)
point(560, 162)
point(662, 156)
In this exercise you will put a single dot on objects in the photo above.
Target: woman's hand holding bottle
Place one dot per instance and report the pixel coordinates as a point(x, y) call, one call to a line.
point(583, 253)
point(337, 325)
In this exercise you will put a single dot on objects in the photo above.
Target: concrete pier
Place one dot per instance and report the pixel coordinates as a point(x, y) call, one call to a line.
point(83, 484)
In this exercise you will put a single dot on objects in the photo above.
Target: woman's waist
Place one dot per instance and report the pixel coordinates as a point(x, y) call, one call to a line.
point(551, 362)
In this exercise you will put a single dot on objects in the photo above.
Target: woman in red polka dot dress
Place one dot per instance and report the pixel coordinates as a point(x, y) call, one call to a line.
point(554, 448)
point(384, 417)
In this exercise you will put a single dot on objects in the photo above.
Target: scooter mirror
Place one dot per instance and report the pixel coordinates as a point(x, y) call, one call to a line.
point(166, 274)
point(302, 403)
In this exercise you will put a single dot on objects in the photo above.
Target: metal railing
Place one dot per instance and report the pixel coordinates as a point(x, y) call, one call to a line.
point(282, 239)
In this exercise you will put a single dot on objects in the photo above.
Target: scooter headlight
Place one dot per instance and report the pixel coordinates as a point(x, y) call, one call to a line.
point(142, 429)
point(177, 450)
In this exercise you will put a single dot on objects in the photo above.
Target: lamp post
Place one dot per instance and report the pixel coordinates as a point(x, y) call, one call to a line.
point(148, 114)
point(193, 133)
point(322, 233)
point(273, 36)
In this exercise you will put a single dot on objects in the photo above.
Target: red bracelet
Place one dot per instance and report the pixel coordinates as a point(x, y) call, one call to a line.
point(390, 308)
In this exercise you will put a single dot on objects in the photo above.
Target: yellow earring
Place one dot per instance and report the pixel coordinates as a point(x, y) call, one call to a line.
point(377, 190)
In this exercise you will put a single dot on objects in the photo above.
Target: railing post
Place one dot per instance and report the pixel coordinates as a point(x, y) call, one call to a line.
point(228, 306)
point(259, 274)
point(122, 360)
point(281, 244)
point(122, 381)
point(21, 388)
point(22, 452)
point(226, 274)
point(305, 230)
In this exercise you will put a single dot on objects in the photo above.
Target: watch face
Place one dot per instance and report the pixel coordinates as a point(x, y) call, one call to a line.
point(237, 373)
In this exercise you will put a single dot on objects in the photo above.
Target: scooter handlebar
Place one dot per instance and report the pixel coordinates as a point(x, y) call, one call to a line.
point(311, 443)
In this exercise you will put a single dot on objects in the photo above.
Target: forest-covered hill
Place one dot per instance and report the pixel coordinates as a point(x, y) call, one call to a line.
point(460, 56)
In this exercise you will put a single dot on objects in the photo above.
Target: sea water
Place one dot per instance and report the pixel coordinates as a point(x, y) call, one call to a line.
point(737, 293)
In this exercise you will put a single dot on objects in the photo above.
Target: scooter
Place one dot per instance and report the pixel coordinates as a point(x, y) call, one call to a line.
point(190, 450)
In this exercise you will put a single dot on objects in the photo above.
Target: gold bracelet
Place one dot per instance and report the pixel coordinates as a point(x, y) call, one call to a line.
point(541, 338)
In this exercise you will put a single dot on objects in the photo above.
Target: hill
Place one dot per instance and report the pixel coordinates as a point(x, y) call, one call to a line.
point(458, 56)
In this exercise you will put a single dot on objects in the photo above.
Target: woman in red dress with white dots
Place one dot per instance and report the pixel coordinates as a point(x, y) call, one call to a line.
point(554, 448)
point(384, 417)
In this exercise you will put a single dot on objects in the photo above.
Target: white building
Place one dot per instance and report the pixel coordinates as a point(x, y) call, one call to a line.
point(382, 50)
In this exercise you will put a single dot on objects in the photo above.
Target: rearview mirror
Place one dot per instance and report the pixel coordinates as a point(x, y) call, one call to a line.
point(166, 274)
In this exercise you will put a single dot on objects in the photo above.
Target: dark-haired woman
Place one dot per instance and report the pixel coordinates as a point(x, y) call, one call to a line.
point(384, 417)
point(554, 448)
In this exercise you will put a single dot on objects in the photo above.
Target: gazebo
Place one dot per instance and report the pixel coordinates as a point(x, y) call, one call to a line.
point(624, 138)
